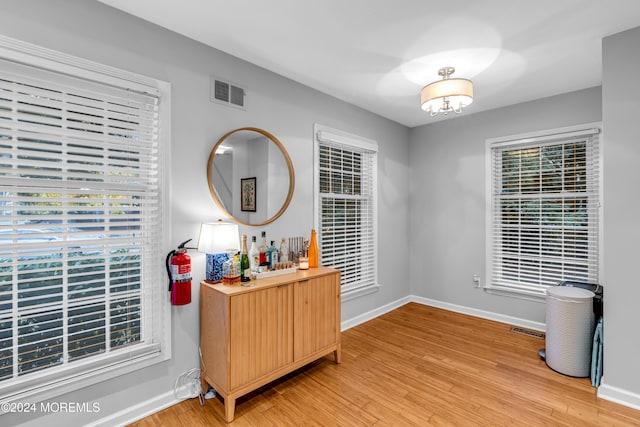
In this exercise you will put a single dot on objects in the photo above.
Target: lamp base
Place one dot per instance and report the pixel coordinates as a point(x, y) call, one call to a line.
point(214, 267)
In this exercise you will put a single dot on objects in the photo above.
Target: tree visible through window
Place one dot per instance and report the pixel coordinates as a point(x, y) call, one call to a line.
point(79, 219)
point(346, 208)
point(545, 205)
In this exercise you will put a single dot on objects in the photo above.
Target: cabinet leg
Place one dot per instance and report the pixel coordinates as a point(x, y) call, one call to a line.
point(337, 354)
point(229, 408)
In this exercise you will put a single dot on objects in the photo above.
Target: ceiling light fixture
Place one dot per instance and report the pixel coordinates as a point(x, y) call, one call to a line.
point(447, 94)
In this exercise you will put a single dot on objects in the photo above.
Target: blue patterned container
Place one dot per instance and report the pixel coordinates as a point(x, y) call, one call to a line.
point(214, 266)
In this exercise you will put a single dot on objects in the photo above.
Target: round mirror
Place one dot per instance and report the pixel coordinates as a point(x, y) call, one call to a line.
point(250, 176)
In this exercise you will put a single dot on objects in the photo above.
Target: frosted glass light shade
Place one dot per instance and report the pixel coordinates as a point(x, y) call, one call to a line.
point(459, 93)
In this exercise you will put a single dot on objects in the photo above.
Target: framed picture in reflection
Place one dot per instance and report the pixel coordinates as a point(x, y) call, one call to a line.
point(248, 194)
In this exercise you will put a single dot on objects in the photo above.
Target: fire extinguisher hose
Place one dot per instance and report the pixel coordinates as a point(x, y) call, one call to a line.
point(169, 255)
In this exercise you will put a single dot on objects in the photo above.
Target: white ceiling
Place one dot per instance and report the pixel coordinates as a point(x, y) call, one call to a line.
point(377, 54)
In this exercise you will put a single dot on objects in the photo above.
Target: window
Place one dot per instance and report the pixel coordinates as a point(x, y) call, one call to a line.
point(80, 223)
point(545, 202)
point(346, 207)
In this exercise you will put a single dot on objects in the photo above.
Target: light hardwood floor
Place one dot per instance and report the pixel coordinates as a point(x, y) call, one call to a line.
point(418, 366)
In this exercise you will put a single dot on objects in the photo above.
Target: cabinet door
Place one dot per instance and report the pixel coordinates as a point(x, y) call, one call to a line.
point(317, 314)
point(261, 333)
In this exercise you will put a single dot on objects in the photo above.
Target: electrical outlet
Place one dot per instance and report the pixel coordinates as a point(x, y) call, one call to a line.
point(476, 280)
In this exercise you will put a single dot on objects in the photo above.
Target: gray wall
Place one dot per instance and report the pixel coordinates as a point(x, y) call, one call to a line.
point(94, 31)
point(448, 199)
point(621, 112)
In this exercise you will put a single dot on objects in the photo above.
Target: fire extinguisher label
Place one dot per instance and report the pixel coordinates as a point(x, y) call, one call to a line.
point(181, 273)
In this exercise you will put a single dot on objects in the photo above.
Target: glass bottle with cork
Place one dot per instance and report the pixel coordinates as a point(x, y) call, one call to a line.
point(245, 270)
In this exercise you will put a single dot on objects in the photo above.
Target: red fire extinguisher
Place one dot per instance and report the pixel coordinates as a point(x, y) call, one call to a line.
point(179, 271)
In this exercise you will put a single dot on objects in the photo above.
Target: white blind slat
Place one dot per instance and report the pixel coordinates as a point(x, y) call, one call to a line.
point(79, 220)
point(346, 208)
point(545, 210)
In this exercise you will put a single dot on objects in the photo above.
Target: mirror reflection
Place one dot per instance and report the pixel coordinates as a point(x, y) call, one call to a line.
point(250, 176)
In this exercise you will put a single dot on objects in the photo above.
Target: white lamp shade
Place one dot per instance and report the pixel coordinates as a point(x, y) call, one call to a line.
point(459, 93)
point(218, 237)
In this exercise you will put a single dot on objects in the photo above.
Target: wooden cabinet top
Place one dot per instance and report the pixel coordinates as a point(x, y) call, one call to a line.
point(271, 281)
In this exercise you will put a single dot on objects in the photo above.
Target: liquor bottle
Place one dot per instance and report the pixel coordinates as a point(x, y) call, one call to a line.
point(245, 272)
point(284, 250)
point(254, 255)
point(273, 255)
point(263, 249)
point(230, 272)
point(313, 250)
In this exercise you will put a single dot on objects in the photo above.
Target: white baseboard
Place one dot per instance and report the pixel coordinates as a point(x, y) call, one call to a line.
point(369, 315)
point(516, 321)
point(618, 395)
point(141, 410)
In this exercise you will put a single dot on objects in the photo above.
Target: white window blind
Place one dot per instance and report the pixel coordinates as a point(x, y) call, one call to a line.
point(346, 217)
point(545, 202)
point(80, 225)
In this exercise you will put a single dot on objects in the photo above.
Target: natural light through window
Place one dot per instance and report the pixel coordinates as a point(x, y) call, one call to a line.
point(545, 203)
point(80, 225)
point(346, 207)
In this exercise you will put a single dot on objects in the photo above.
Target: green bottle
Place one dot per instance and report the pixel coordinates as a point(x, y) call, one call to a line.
point(245, 270)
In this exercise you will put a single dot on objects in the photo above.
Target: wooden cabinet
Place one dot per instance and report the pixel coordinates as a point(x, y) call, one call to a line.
point(250, 336)
point(261, 331)
point(316, 315)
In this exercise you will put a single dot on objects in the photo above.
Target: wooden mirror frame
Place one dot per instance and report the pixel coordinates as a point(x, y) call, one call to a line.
point(284, 152)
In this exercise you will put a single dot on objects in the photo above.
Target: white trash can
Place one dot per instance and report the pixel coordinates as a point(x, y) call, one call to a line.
point(570, 327)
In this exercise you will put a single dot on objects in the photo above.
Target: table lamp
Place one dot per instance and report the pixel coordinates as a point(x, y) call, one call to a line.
point(217, 240)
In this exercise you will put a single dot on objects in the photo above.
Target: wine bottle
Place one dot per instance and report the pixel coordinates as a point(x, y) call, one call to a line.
point(313, 250)
point(254, 255)
point(245, 271)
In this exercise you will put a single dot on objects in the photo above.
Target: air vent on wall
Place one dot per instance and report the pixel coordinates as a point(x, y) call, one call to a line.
point(227, 93)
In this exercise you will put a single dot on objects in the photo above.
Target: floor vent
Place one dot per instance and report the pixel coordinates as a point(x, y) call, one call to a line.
point(227, 93)
point(529, 332)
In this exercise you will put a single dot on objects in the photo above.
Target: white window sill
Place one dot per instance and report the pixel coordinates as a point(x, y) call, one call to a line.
point(358, 292)
point(536, 295)
point(43, 388)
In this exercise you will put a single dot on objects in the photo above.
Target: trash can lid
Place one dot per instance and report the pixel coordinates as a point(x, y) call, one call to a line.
point(568, 293)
